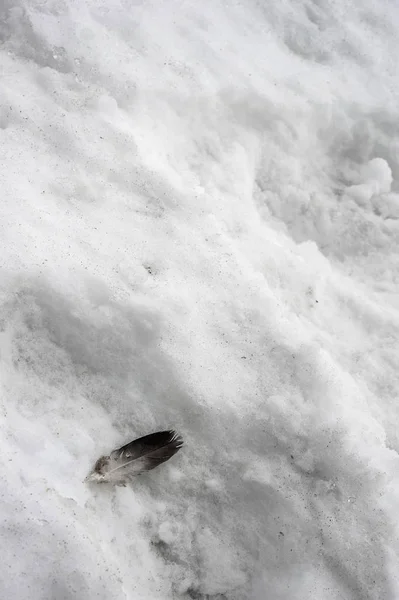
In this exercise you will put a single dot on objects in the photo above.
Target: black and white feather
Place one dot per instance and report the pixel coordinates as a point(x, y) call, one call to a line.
point(135, 458)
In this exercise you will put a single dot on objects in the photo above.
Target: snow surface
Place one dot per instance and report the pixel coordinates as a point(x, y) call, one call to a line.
point(200, 230)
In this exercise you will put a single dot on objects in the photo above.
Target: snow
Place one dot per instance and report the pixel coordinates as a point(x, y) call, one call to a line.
point(376, 178)
point(199, 231)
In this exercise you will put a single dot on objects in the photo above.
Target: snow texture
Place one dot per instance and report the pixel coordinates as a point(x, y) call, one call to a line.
point(199, 229)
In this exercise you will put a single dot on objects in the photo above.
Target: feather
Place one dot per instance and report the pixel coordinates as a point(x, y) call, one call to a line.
point(137, 457)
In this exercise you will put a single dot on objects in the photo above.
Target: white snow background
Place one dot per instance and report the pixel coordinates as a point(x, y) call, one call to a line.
point(200, 230)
